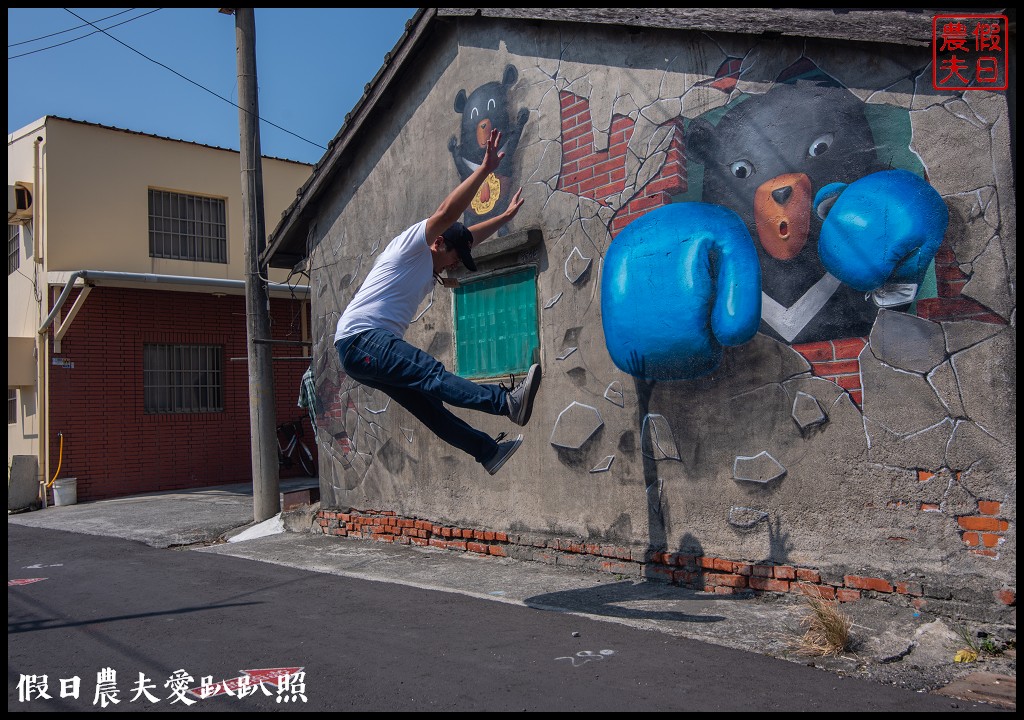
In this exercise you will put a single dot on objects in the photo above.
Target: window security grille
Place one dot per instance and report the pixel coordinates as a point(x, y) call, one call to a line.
point(187, 227)
point(13, 248)
point(182, 378)
point(496, 325)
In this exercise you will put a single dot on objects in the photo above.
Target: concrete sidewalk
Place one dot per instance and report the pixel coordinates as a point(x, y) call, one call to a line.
point(896, 646)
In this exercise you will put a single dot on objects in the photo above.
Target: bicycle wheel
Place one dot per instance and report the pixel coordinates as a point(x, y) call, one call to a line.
point(306, 459)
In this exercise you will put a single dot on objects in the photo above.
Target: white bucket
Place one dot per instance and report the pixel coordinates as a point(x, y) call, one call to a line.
point(65, 491)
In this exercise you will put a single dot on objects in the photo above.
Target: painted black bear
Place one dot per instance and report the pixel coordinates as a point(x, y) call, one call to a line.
point(483, 110)
point(766, 159)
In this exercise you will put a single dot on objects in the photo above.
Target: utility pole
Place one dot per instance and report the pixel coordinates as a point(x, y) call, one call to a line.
point(262, 416)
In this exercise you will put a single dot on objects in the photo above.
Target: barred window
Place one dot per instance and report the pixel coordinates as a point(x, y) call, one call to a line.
point(187, 227)
point(12, 406)
point(182, 378)
point(496, 329)
point(13, 248)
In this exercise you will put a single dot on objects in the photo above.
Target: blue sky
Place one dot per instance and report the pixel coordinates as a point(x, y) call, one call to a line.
point(312, 65)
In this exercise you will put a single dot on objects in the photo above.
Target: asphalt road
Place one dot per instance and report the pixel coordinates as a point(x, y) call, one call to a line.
point(361, 645)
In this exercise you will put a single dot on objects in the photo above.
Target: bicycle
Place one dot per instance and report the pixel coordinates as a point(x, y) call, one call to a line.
point(286, 452)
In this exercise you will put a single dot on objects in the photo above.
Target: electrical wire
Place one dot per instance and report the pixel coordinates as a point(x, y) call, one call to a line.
point(77, 27)
point(219, 97)
point(81, 37)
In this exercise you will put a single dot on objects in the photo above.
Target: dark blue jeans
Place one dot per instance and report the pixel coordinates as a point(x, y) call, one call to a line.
point(419, 383)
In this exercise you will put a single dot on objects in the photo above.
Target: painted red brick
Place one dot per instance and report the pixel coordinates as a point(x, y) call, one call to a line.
point(982, 523)
point(723, 565)
point(988, 507)
point(784, 572)
point(848, 347)
point(909, 588)
point(729, 580)
point(847, 382)
point(658, 572)
point(867, 583)
point(810, 576)
point(1007, 597)
point(611, 566)
point(837, 367)
point(827, 592)
point(763, 583)
point(989, 540)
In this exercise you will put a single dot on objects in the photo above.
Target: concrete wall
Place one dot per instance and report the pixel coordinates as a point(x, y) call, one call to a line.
point(692, 406)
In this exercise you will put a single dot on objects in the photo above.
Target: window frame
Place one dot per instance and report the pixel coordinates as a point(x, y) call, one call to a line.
point(186, 226)
point(181, 384)
point(494, 373)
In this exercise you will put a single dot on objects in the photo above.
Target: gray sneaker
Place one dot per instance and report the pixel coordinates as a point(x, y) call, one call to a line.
point(505, 450)
point(520, 397)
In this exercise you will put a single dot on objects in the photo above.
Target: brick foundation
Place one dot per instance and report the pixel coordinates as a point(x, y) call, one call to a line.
point(703, 573)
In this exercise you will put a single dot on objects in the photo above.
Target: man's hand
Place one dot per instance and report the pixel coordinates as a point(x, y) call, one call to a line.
point(492, 156)
point(483, 230)
point(513, 205)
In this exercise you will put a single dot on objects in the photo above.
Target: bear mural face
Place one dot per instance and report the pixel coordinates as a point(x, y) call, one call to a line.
point(765, 160)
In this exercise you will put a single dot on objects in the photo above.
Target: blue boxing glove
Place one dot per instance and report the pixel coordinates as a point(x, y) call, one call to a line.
point(678, 284)
point(883, 229)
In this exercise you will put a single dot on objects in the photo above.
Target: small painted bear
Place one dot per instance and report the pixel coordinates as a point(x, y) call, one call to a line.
point(484, 110)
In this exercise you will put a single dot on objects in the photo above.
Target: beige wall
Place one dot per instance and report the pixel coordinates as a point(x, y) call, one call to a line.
point(97, 182)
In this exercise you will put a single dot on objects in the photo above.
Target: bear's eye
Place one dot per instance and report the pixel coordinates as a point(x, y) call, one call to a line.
point(821, 145)
point(742, 169)
point(473, 113)
point(490, 104)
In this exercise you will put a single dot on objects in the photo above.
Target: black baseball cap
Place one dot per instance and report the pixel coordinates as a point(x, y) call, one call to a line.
point(459, 238)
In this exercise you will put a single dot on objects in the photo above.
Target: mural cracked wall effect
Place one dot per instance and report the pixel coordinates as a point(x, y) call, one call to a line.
point(872, 430)
point(677, 237)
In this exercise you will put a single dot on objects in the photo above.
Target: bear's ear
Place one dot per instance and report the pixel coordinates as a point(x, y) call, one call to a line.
point(700, 141)
point(511, 75)
point(460, 101)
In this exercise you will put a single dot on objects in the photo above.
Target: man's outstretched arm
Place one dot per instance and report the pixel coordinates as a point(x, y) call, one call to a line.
point(451, 209)
point(483, 230)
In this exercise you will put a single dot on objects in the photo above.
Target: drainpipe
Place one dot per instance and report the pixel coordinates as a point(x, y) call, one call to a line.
point(42, 341)
point(86, 275)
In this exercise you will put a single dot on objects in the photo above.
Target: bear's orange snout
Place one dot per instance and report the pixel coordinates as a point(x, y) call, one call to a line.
point(782, 214)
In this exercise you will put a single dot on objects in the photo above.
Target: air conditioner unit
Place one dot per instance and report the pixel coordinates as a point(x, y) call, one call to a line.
point(19, 203)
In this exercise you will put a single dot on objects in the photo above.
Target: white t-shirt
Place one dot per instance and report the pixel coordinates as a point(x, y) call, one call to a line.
point(398, 281)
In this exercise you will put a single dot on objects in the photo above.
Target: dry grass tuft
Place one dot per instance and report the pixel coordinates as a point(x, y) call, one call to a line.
point(827, 628)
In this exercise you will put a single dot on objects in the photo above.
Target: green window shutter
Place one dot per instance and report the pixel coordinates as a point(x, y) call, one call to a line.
point(496, 325)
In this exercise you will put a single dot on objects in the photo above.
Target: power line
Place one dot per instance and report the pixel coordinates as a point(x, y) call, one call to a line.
point(77, 27)
point(80, 37)
point(219, 97)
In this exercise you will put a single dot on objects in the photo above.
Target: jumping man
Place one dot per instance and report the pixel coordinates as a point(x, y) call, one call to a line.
point(369, 335)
